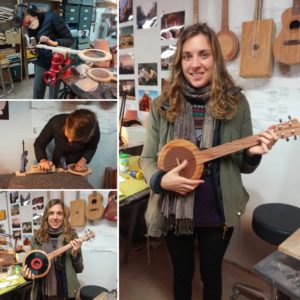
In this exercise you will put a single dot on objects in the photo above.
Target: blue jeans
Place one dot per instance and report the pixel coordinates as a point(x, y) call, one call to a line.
point(212, 247)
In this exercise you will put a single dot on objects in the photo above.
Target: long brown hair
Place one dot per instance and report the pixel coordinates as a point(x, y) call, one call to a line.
point(42, 233)
point(223, 101)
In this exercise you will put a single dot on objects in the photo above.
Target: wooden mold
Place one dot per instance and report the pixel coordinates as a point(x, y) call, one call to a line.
point(291, 246)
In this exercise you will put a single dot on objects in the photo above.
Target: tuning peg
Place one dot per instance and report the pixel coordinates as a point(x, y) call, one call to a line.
point(295, 138)
point(287, 139)
point(280, 120)
point(289, 117)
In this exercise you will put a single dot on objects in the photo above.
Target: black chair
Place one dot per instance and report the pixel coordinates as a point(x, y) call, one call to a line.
point(274, 223)
point(89, 292)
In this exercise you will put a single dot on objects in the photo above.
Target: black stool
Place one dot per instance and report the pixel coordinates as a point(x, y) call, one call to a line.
point(274, 223)
point(89, 292)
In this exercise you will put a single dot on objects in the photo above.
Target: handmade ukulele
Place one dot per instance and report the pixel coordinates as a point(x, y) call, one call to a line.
point(256, 46)
point(287, 44)
point(77, 208)
point(94, 210)
point(111, 210)
point(228, 40)
point(39, 262)
point(178, 150)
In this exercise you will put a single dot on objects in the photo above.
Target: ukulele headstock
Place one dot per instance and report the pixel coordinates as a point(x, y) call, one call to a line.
point(287, 129)
point(88, 235)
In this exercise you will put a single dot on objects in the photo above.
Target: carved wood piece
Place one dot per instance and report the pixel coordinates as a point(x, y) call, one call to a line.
point(77, 216)
point(95, 208)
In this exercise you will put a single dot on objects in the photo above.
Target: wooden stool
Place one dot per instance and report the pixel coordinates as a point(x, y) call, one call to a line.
point(4, 66)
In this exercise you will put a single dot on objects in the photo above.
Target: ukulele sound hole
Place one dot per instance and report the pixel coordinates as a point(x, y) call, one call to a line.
point(94, 201)
point(295, 25)
point(255, 47)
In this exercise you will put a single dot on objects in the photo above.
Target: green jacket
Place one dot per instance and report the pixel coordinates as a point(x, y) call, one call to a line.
point(72, 266)
point(233, 194)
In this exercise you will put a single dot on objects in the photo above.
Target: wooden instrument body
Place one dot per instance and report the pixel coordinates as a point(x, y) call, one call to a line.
point(287, 43)
point(95, 208)
point(257, 46)
point(77, 216)
point(178, 150)
point(228, 40)
point(38, 262)
point(111, 210)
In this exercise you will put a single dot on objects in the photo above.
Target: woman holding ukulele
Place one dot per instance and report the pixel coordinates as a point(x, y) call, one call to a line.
point(202, 104)
point(61, 281)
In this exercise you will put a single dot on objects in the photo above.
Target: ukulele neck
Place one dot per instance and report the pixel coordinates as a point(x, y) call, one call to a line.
point(224, 25)
point(296, 7)
point(59, 251)
point(227, 148)
point(258, 10)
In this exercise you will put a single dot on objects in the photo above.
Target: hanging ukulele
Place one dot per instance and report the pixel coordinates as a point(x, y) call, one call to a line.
point(256, 47)
point(228, 40)
point(178, 150)
point(287, 43)
point(94, 210)
point(39, 262)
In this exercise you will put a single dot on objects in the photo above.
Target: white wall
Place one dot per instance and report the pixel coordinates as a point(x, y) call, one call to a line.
point(99, 255)
point(276, 179)
point(24, 120)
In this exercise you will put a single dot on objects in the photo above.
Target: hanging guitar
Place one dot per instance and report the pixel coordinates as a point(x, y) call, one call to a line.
point(228, 40)
point(178, 150)
point(287, 43)
point(94, 210)
point(39, 262)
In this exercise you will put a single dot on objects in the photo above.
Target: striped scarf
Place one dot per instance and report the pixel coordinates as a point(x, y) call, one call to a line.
point(178, 210)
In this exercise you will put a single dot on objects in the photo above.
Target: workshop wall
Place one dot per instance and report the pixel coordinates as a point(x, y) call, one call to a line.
point(26, 120)
point(276, 179)
point(22, 211)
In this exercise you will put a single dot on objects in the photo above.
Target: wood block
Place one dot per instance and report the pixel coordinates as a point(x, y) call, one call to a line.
point(291, 246)
point(257, 48)
point(77, 213)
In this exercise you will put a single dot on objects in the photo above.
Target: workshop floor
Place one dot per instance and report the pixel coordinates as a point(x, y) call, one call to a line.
point(138, 280)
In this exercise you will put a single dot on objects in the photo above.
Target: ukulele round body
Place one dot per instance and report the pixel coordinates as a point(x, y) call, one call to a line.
point(287, 44)
point(38, 262)
point(229, 44)
point(175, 152)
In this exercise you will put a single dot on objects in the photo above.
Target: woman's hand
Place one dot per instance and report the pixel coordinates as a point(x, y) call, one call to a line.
point(81, 165)
point(45, 165)
point(172, 181)
point(76, 245)
point(267, 139)
point(46, 40)
point(26, 273)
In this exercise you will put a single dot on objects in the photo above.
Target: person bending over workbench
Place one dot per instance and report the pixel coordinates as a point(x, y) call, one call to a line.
point(76, 136)
point(46, 28)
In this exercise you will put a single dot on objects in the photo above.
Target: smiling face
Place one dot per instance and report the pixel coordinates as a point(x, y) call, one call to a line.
point(56, 216)
point(197, 61)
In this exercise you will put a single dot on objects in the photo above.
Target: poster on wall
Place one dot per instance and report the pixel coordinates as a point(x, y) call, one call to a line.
point(127, 87)
point(172, 25)
point(126, 37)
point(4, 113)
point(145, 99)
point(126, 64)
point(147, 74)
point(125, 11)
point(146, 15)
point(167, 56)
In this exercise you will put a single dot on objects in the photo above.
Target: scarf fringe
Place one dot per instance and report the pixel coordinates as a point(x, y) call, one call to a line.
point(179, 226)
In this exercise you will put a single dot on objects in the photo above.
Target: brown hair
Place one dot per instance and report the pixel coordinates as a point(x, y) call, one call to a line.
point(81, 124)
point(42, 233)
point(223, 101)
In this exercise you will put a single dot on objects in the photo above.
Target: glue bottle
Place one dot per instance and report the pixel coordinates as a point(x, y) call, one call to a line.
point(123, 162)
